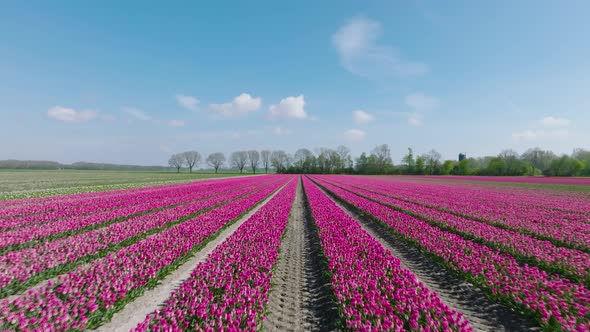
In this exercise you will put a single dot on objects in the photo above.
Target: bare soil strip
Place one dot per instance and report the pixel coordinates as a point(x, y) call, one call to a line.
point(483, 313)
point(152, 299)
point(301, 295)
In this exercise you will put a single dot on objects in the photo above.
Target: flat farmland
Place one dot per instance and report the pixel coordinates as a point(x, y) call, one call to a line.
point(298, 253)
point(16, 184)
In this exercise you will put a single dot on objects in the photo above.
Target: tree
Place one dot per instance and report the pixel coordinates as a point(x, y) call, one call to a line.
point(345, 159)
point(420, 165)
point(265, 157)
point(565, 166)
point(462, 156)
point(409, 162)
point(463, 167)
point(216, 160)
point(382, 156)
point(432, 161)
point(510, 158)
point(583, 156)
point(176, 161)
point(191, 158)
point(254, 158)
point(304, 161)
point(447, 167)
point(279, 160)
point(538, 159)
point(239, 159)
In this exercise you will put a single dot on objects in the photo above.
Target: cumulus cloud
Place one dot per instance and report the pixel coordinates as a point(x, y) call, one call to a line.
point(240, 105)
point(70, 115)
point(354, 135)
point(361, 117)
point(281, 131)
point(176, 123)
point(290, 107)
point(553, 122)
point(137, 113)
point(189, 102)
point(549, 127)
point(357, 45)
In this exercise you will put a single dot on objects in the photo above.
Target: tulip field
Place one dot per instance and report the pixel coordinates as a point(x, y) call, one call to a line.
point(339, 243)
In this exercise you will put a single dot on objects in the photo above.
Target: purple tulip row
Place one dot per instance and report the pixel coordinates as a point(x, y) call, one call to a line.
point(485, 205)
point(543, 198)
point(373, 291)
point(230, 289)
point(107, 201)
point(555, 301)
point(18, 266)
point(84, 297)
point(137, 206)
point(26, 206)
point(573, 262)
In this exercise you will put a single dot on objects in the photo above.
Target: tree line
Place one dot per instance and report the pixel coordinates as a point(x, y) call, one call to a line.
point(534, 161)
point(254, 160)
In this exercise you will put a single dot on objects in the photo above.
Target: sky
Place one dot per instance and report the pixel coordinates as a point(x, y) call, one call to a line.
point(135, 81)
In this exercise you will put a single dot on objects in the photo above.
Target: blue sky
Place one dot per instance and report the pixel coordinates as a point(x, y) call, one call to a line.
point(136, 81)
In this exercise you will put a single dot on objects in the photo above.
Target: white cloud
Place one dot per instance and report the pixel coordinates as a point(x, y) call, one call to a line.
point(241, 104)
point(290, 107)
point(546, 128)
point(356, 44)
point(361, 117)
point(70, 115)
point(420, 102)
point(553, 122)
point(137, 113)
point(188, 102)
point(354, 135)
point(281, 131)
point(176, 123)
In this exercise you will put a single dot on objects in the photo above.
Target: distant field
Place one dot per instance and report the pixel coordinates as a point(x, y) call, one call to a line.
point(15, 184)
point(558, 183)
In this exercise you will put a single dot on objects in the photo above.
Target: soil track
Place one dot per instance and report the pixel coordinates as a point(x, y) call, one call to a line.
point(301, 295)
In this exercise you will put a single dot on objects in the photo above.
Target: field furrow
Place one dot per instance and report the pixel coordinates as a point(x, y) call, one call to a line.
point(372, 290)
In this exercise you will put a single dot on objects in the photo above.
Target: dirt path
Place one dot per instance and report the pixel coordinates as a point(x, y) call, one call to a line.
point(136, 311)
point(482, 313)
point(300, 296)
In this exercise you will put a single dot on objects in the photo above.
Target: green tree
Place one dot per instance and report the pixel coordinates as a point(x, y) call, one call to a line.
point(447, 167)
point(419, 169)
point(409, 162)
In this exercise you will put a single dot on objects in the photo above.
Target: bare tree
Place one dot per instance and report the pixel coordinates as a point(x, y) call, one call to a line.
point(265, 157)
point(176, 161)
point(239, 159)
point(304, 160)
point(191, 158)
point(216, 160)
point(510, 157)
point(254, 158)
point(278, 160)
point(382, 156)
point(345, 158)
point(432, 161)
